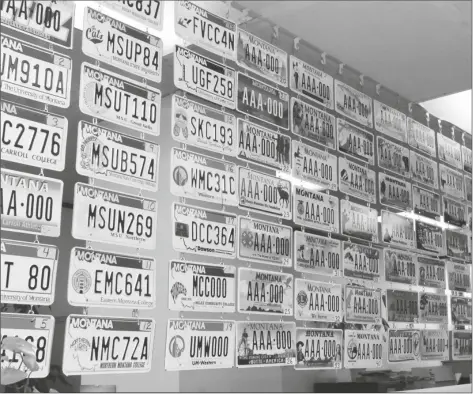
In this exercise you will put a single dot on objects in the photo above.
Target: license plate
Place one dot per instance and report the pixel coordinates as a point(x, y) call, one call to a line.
point(259, 145)
point(361, 262)
point(265, 292)
point(433, 308)
point(316, 210)
point(468, 188)
point(355, 142)
point(362, 305)
point(203, 231)
point(104, 215)
point(356, 180)
point(205, 127)
point(148, 12)
point(390, 121)
point(37, 330)
point(204, 77)
point(263, 102)
point(394, 192)
point(404, 345)
point(28, 272)
point(459, 276)
point(31, 203)
point(454, 212)
point(264, 242)
point(314, 165)
point(201, 287)
point(106, 279)
point(434, 345)
point(397, 230)
point(461, 310)
point(51, 21)
point(426, 203)
point(317, 255)
point(262, 58)
point(353, 104)
point(359, 221)
point(400, 266)
point(393, 157)
point(264, 193)
point(431, 272)
point(461, 345)
point(115, 157)
point(424, 170)
point(103, 345)
point(265, 344)
point(212, 180)
point(451, 182)
point(429, 238)
point(33, 137)
point(313, 124)
point(449, 151)
point(467, 159)
point(457, 245)
point(402, 306)
point(421, 137)
point(318, 348)
point(34, 73)
point(310, 82)
point(318, 301)
point(363, 349)
point(123, 46)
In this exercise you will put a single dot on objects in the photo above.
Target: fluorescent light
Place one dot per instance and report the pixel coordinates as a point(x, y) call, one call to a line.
point(297, 182)
point(441, 223)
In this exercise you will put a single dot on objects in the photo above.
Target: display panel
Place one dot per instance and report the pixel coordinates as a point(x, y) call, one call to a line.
point(456, 244)
point(362, 305)
point(359, 221)
point(362, 262)
point(394, 192)
point(426, 203)
point(357, 180)
point(317, 255)
point(454, 212)
point(461, 345)
point(355, 141)
point(318, 301)
point(433, 308)
point(421, 137)
point(460, 308)
point(459, 276)
point(397, 230)
point(434, 345)
point(363, 349)
point(404, 345)
point(431, 272)
point(424, 170)
point(402, 306)
point(449, 151)
point(429, 238)
point(451, 182)
point(318, 348)
point(393, 157)
point(353, 104)
point(400, 266)
point(389, 121)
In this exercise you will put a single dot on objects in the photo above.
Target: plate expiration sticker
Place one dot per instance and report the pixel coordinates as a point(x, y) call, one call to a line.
point(451, 182)
point(355, 142)
point(426, 203)
point(317, 255)
point(449, 151)
point(459, 276)
point(421, 137)
point(21, 142)
point(397, 230)
point(431, 272)
point(461, 345)
point(104, 215)
point(467, 159)
point(364, 349)
point(359, 221)
point(400, 266)
point(265, 344)
point(429, 238)
point(151, 15)
point(265, 292)
point(434, 345)
point(105, 279)
point(318, 301)
point(404, 345)
point(394, 192)
point(460, 308)
point(353, 104)
point(454, 212)
point(402, 306)
point(28, 273)
point(264, 242)
point(457, 245)
point(433, 308)
point(393, 157)
point(468, 188)
point(424, 170)
point(362, 305)
point(390, 121)
point(357, 180)
point(318, 348)
point(361, 262)
point(201, 287)
point(31, 203)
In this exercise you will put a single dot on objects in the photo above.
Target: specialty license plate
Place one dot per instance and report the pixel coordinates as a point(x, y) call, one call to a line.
point(451, 182)
point(148, 12)
point(359, 221)
point(461, 345)
point(316, 210)
point(457, 245)
point(361, 262)
point(104, 215)
point(355, 142)
point(115, 157)
point(431, 272)
point(33, 73)
point(265, 292)
point(37, 330)
point(201, 287)
point(393, 157)
point(106, 279)
point(467, 159)
point(459, 278)
point(397, 230)
point(362, 305)
point(310, 82)
point(454, 212)
point(189, 343)
point(313, 124)
point(402, 306)
point(449, 151)
point(318, 348)
point(389, 121)
point(400, 266)
point(318, 301)
point(468, 188)
point(394, 192)
point(426, 203)
point(31, 203)
point(264, 242)
point(404, 345)
point(356, 180)
point(51, 21)
point(363, 349)
point(123, 46)
point(433, 308)
point(202, 126)
point(317, 255)
point(429, 238)
point(259, 145)
point(460, 308)
point(33, 137)
point(202, 231)
point(104, 345)
point(278, 348)
point(424, 170)
point(314, 165)
point(204, 77)
point(211, 180)
point(264, 193)
point(434, 345)
point(353, 104)
point(421, 137)
point(28, 273)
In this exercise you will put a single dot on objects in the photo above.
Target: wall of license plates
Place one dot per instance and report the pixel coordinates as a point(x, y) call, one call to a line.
point(317, 220)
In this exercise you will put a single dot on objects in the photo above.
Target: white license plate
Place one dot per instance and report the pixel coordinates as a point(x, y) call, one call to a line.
point(28, 272)
point(103, 215)
point(393, 157)
point(353, 104)
point(402, 306)
point(468, 188)
point(52, 21)
point(434, 345)
point(457, 245)
point(31, 203)
point(449, 151)
point(460, 308)
point(390, 121)
point(461, 345)
point(451, 182)
point(318, 301)
point(400, 266)
point(459, 276)
point(106, 279)
point(357, 180)
point(454, 212)
point(433, 308)
point(429, 238)
point(431, 272)
point(33, 73)
point(359, 221)
point(424, 170)
point(467, 159)
point(404, 345)
point(362, 305)
point(426, 203)
point(32, 137)
point(123, 46)
point(103, 345)
point(203, 231)
point(355, 142)
point(37, 330)
point(264, 242)
point(115, 157)
point(361, 262)
point(147, 12)
point(318, 348)
point(421, 137)
point(114, 98)
point(203, 178)
point(202, 126)
point(364, 349)
point(394, 192)
point(317, 255)
point(397, 230)
point(204, 77)
point(314, 165)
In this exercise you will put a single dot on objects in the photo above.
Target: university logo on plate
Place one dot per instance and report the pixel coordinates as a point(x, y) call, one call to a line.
point(149, 13)
point(361, 262)
point(362, 305)
point(394, 192)
point(397, 230)
point(431, 272)
point(456, 244)
point(421, 137)
point(467, 159)
point(459, 276)
point(363, 349)
point(389, 121)
point(461, 345)
point(451, 182)
point(434, 345)
point(449, 151)
point(402, 306)
point(429, 238)
point(433, 308)
point(454, 212)
point(318, 301)
point(393, 157)
point(357, 180)
point(355, 142)
point(318, 348)
point(424, 170)
point(400, 266)
point(426, 203)
point(460, 308)
point(404, 345)
point(358, 221)
point(353, 104)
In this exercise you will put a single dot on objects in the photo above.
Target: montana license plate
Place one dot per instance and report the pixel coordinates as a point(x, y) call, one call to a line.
point(397, 230)
point(317, 255)
point(355, 142)
point(431, 272)
point(402, 306)
point(364, 349)
point(460, 308)
point(433, 308)
point(424, 170)
point(468, 188)
point(362, 305)
point(393, 157)
point(389, 121)
point(361, 262)
point(434, 345)
point(394, 192)
point(429, 238)
point(461, 345)
point(467, 159)
point(421, 137)
point(426, 203)
point(359, 221)
point(454, 212)
point(318, 348)
point(451, 182)
point(357, 180)
point(148, 12)
point(400, 266)
point(459, 276)
point(318, 301)
point(457, 245)
point(449, 151)
point(353, 104)
point(404, 345)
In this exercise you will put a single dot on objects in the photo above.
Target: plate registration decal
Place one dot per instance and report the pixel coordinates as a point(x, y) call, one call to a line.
point(460, 308)
point(431, 272)
point(362, 305)
point(318, 348)
point(362, 262)
point(390, 121)
point(359, 221)
point(402, 306)
point(149, 13)
point(459, 276)
point(353, 104)
point(355, 142)
point(456, 244)
point(318, 301)
point(363, 349)
point(357, 180)
point(433, 308)
point(424, 170)
point(451, 182)
point(397, 230)
point(426, 203)
point(461, 345)
point(429, 238)
point(393, 157)
point(404, 345)
point(400, 266)
point(421, 137)
point(450, 151)
point(454, 212)
point(317, 255)
point(434, 345)
point(394, 192)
